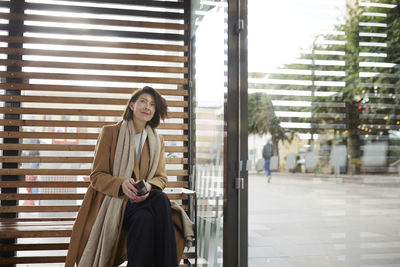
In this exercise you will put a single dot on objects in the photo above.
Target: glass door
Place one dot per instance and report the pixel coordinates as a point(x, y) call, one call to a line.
point(218, 76)
point(324, 94)
point(208, 50)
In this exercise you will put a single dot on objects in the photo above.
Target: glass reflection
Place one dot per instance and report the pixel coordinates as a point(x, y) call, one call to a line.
point(324, 90)
point(209, 44)
point(334, 86)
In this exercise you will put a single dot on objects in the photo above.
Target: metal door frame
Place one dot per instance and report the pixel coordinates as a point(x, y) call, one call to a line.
point(236, 155)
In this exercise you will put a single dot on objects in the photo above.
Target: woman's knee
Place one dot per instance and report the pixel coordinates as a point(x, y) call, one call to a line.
point(142, 218)
point(160, 196)
point(144, 215)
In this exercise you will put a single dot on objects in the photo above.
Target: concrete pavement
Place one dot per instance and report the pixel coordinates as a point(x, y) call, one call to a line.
point(298, 221)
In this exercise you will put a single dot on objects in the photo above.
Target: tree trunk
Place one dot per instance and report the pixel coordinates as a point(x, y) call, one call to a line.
point(353, 135)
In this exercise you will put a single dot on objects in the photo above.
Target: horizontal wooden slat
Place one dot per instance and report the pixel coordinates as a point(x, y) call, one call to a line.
point(81, 54)
point(92, 66)
point(41, 246)
point(40, 226)
point(42, 184)
point(68, 172)
point(75, 136)
point(89, 77)
point(6, 209)
point(44, 171)
point(177, 172)
point(177, 160)
point(78, 100)
point(175, 137)
point(183, 184)
point(173, 126)
point(22, 260)
point(107, 32)
point(81, 112)
point(50, 135)
point(85, 89)
point(41, 219)
point(147, 3)
point(35, 196)
point(26, 232)
point(38, 159)
point(80, 124)
point(105, 10)
point(182, 149)
point(174, 35)
point(55, 123)
point(48, 147)
point(92, 21)
point(91, 43)
point(58, 159)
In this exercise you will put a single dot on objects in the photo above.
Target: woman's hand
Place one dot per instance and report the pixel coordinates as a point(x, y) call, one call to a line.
point(128, 188)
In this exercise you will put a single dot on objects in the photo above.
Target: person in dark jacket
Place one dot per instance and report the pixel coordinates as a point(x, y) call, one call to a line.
point(267, 153)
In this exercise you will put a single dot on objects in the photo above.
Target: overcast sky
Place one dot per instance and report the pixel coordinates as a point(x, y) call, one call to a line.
point(278, 29)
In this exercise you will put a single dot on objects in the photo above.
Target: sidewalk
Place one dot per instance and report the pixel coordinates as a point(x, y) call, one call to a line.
point(367, 179)
point(296, 221)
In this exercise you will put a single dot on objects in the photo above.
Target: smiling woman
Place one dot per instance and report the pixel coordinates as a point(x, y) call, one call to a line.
point(145, 101)
point(127, 224)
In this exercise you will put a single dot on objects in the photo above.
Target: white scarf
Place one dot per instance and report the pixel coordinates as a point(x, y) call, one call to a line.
point(105, 229)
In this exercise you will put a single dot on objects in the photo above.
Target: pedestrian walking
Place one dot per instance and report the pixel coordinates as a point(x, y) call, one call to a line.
point(268, 152)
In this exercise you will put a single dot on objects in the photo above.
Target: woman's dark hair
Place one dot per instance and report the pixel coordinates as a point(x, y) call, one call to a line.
point(161, 106)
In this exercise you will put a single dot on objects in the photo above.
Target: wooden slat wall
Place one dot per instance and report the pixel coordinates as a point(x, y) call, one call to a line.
point(71, 73)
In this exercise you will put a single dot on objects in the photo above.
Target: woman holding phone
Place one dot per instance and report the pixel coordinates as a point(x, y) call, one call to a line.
point(125, 215)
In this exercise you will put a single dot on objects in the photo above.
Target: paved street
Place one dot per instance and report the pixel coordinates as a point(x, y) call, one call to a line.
point(297, 222)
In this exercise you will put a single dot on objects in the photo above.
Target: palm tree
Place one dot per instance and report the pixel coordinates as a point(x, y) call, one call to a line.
point(262, 120)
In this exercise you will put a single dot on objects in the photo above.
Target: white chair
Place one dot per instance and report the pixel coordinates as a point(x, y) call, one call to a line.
point(338, 158)
point(311, 160)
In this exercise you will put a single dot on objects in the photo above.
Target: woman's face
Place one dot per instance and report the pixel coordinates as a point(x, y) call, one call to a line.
point(144, 108)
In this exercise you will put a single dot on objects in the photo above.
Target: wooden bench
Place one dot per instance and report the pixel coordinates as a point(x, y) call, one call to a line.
point(40, 233)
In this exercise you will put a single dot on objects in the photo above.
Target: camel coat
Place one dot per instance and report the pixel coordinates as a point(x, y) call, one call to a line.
point(104, 183)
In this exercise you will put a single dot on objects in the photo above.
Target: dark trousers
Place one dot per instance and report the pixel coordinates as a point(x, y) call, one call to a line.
point(151, 238)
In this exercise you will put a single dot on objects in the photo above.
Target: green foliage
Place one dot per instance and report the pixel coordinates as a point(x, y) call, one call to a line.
point(262, 119)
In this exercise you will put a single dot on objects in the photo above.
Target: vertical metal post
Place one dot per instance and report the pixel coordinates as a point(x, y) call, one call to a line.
point(236, 190)
point(243, 133)
point(191, 154)
point(191, 92)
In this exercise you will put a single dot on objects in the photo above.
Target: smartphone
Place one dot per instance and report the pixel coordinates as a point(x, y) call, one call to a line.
point(141, 187)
